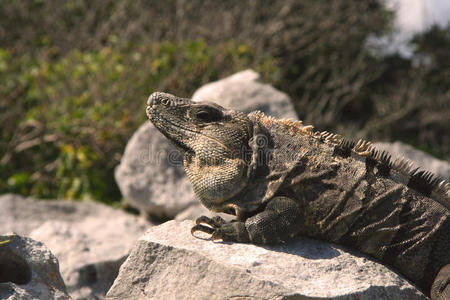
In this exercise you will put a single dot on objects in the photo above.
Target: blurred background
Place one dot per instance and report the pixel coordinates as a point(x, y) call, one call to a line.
point(75, 75)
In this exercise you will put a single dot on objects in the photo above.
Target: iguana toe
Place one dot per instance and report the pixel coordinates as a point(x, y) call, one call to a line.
point(215, 222)
point(202, 228)
point(214, 226)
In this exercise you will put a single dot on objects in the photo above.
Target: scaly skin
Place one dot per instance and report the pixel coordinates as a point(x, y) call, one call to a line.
point(281, 179)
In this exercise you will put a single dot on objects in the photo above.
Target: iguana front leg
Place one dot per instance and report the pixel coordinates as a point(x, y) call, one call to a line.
point(280, 220)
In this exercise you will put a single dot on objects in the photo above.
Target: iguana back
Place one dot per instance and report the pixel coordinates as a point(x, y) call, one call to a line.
point(352, 195)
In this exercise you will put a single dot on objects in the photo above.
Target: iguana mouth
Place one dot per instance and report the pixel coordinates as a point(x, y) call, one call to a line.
point(153, 115)
point(156, 117)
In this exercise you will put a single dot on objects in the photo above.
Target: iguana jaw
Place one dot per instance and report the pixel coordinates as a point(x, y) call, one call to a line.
point(215, 141)
point(166, 122)
point(190, 125)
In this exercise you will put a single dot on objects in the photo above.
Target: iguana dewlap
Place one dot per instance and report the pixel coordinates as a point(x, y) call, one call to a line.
point(282, 179)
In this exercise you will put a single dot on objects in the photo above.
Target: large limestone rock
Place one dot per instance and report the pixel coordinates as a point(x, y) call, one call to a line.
point(421, 159)
point(245, 91)
point(91, 240)
point(151, 175)
point(168, 263)
point(28, 270)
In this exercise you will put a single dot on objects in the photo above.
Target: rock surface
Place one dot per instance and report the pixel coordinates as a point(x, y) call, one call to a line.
point(421, 159)
point(245, 91)
point(28, 270)
point(168, 263)
point(151, 175)
point(90, 240)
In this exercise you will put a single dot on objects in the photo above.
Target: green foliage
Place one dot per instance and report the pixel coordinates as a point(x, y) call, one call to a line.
point(76, 112)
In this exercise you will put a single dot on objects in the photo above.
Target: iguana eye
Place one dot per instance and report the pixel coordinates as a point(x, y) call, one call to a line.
point(208, 115)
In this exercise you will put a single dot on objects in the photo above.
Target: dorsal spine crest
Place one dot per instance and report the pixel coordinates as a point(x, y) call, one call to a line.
point(423, 182)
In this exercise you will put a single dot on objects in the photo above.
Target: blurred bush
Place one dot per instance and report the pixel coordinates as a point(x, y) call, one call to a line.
point(74, 76)
point(67, 119)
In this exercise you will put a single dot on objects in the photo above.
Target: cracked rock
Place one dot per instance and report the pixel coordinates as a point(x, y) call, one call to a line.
point(168, 263)
point(28, 270)
point(89, 239)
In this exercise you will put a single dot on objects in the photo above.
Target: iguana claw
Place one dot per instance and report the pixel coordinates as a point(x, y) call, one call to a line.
point(216, 235)
point(215, 223)
point(203, 228)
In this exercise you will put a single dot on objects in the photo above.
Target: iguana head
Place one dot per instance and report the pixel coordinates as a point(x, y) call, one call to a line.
point(215, 143)
point(206, 129)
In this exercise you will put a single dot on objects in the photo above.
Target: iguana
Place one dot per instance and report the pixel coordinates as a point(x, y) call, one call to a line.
point(282, 179)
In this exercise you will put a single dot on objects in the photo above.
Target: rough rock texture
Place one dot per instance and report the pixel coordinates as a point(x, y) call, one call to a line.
point(245, 92)
point(90, 240)
point(421, 159)
point(168, 262)
point(28, 270)
point(151, 175)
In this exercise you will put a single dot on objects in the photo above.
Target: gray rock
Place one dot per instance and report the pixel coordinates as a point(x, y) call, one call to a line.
point(91, 240)
point(244, 91)
point(28, 270)
point(151, 175)
point(421, 159)
point(168, 263)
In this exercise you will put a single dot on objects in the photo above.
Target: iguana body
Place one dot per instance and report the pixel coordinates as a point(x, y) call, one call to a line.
point(282, 179)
